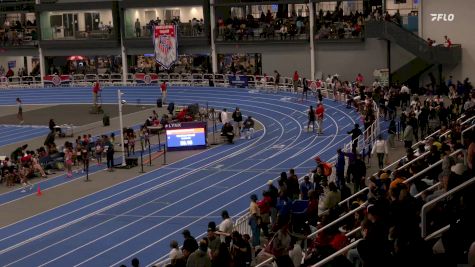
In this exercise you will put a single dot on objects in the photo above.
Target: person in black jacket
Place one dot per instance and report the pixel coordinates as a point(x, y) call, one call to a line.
point(237, 117)
point(189, 244)
point(355, 133)
point(228, 132)
point(392, 133)
point(357, 171)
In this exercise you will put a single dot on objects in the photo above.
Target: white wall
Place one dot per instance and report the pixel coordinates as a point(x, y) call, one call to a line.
point(460, 31)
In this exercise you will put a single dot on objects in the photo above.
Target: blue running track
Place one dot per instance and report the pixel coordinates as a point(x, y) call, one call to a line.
point(18, 133)
point(139, 217)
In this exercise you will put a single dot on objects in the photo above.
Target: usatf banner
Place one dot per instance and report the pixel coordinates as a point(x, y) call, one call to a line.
point(165, 43)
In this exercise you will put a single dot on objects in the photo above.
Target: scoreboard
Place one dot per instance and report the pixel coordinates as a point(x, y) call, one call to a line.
point(186, 135)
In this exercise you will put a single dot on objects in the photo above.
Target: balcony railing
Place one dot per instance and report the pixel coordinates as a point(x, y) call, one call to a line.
point(184, 30)
point(61, 33)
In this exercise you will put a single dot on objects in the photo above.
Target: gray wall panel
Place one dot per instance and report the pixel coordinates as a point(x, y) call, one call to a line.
point(349, 59)
point(460, 30)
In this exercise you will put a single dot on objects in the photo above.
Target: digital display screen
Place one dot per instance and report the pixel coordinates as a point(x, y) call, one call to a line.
point(187, 137)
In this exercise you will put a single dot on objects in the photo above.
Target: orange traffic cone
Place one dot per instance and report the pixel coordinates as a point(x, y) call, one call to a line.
point(38, 192)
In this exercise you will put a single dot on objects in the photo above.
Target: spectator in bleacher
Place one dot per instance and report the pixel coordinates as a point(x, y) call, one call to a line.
point(135, 262)
point(213, 241)
point(223, 257)
point(199, 258)
point(293, 185)
point(357, 173)
point(305, 187)
point(281, 246)
point(340, 167)
point(355, 133)
point(254, 221)
point(273, 194)
point(225, 228)
point(189, 243)
point(265, 205)
point(408, 136)
point(239, 250)
point(332, 197)
point(381, 149)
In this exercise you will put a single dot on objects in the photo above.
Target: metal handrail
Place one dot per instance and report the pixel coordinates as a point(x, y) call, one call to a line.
point(427, 190)
point(467, 120)
point(430, 167)
point(438, 232)
point(426, 206)
point(414, 160)
point(352, 212)
point(336, 254)
point(352, 232)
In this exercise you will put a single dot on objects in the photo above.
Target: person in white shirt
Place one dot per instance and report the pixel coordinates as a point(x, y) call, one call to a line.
point(328, 82)
point(405, 95)
point(381, 149)
point(175, 253)
point(225, 227)
point(295, 254)
point(223, 116)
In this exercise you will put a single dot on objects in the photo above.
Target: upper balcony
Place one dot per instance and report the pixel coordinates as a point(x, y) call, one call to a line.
point(18, 30)
point(140, 22)
point(79, 25)
point(262, 22)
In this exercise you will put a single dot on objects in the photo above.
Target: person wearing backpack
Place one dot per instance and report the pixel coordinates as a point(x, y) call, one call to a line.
point(311, 119)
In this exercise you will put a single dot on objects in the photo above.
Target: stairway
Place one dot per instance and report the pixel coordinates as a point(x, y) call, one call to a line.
point(426, 56)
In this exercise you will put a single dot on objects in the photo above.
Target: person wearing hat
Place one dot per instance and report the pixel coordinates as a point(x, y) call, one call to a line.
point(200, 257)
point(254, 221)
point(213, 241)
point(189, 244)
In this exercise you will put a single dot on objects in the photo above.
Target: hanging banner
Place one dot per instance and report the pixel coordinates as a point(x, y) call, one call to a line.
point(165, 43)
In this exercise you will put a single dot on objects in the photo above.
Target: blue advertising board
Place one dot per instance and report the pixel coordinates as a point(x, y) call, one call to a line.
point(238, 81)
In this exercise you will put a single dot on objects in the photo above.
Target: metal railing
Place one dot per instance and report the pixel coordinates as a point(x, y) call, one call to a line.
point(147, 79)
point(413, 43)
point(429, 204)
point(336, 254)
point(423, 223)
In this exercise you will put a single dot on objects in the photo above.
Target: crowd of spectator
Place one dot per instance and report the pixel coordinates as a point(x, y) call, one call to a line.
point(266, 27)
point(329, 25)
point(16, 33)
point(387, 213)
